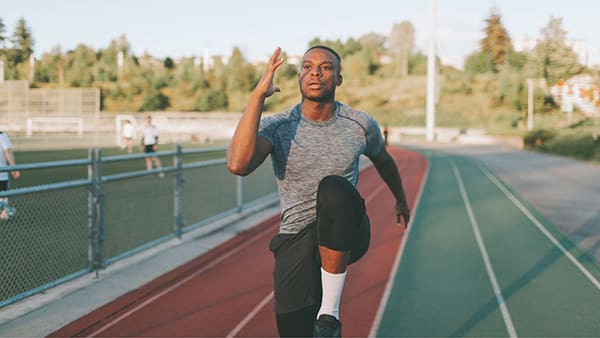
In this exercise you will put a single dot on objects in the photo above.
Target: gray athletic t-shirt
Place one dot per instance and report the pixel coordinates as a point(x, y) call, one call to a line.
point(305, 151)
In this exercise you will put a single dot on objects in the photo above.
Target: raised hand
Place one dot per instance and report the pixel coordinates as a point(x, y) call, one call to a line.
point(265, 84)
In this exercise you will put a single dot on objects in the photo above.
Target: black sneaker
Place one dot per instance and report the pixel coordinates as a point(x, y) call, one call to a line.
point(327, 326)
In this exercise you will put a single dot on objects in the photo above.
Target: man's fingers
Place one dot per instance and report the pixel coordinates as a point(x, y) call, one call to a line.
point(276, 60)
point(275, 55)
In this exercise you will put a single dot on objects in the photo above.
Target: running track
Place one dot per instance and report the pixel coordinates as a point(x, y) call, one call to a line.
point(228, 291)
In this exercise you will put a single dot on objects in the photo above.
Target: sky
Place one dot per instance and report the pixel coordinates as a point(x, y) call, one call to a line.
point(184, 28)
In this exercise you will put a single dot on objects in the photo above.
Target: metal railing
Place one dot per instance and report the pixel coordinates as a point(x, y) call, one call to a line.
point(66, 229)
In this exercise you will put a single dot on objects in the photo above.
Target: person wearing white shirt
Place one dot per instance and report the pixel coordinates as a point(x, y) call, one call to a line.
point(6, 158)
point(128, 133)
point(150, 143)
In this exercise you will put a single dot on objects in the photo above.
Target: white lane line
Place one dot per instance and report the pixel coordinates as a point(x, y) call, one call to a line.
point(390, 283)
point(486, 259)
point(266, 300)
point(540, 226)
point(118, 319)
point(250, 315)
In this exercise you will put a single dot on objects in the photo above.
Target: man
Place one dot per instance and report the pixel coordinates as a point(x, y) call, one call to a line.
point(315, 149)
point(128, 134)
point(150, 143)
point(6, 157)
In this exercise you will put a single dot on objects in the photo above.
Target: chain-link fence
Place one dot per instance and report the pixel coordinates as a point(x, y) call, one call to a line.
point(62, 230)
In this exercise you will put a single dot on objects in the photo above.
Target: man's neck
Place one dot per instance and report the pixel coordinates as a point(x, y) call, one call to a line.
point(318, 111)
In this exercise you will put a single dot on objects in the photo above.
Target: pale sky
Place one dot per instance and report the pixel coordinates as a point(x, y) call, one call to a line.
point(178, 28)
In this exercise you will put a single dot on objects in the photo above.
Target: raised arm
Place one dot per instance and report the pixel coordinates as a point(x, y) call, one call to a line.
point(247, 150)
point(387, 169)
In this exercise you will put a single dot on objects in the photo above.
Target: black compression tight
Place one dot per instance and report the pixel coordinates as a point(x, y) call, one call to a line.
point(297, 323)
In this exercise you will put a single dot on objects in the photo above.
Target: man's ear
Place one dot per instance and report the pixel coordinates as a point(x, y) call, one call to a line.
point(340, 80)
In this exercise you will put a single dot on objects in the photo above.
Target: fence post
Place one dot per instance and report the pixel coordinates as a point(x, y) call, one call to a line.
point(91, 210)
point(99, 206)
point(240, 193)
point(177, 198)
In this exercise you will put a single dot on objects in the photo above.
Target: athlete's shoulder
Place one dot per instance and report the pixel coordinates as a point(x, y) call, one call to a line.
point(290, 115)
point(357, 116)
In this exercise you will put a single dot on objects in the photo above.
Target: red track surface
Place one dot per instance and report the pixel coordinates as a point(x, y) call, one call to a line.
point(227, 291)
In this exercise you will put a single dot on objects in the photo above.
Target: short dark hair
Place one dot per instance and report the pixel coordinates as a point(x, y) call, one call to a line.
point(329, 49)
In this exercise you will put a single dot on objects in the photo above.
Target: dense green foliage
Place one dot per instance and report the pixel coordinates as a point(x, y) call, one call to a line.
point(383, 75)
point(584, 145)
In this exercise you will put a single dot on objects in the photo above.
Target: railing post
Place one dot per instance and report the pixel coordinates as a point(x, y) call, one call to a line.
point(91, 210)
point(240, 193)
point(177, 198)
point(99, 206)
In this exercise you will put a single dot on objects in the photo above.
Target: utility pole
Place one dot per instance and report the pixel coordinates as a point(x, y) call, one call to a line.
point(431, 76)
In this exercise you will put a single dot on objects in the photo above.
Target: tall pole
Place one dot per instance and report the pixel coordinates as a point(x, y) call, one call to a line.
point(431, 75)
point(530, 90)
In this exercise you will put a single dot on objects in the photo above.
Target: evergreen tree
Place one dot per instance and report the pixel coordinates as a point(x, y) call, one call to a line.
point(496, 43)
point(22, 41)
point(2, 34)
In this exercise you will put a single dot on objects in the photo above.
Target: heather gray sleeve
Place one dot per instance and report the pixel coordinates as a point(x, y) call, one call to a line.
point(266, 128)
point(374, 138)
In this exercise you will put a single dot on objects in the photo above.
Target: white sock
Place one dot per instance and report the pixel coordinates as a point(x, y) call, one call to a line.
point(333, 284)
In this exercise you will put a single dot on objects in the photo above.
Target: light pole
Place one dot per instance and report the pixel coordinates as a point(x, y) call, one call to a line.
point(530, 89)
point(431, 72)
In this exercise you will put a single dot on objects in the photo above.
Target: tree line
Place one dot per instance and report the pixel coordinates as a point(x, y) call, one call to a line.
point(130, 82)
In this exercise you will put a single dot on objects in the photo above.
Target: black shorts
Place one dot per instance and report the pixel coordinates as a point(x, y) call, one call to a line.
point(297, 273)
point(149, 148)
point(3, 185)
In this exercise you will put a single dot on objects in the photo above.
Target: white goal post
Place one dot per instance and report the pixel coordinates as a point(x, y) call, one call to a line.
point(54, 124)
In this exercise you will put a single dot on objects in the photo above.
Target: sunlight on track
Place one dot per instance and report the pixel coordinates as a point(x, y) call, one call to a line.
point(250, 315)
point(118, 319)
point(486, 258)
point(540, 226)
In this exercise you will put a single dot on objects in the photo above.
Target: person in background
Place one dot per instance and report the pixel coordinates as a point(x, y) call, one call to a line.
point(150, 144)
point(128, 134)
point(6, 158)
point(315, 148)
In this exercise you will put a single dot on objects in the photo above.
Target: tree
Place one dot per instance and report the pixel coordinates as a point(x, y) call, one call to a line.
point(479, 63)
point(241, 75)
point(373, 45)
point(169, 63)
point(401, 43)
point(552, 58)
point(2, 36)
point(80, 64)
point(496, 43)
point(154, 100)
point(22, 40)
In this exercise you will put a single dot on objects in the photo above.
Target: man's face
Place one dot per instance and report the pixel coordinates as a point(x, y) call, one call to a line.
point(319, 75)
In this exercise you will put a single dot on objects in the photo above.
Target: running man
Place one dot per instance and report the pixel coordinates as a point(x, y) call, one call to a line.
point(315, 148)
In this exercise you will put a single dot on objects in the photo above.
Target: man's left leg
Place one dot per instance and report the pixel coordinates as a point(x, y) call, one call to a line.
point(344, 235)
